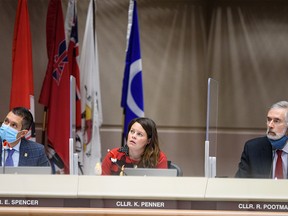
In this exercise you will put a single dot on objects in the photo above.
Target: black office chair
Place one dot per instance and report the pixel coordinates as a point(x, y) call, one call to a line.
point(175, 166)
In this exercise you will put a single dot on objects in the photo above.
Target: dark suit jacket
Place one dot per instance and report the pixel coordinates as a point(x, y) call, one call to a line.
point(256, 159)
point(31, 154)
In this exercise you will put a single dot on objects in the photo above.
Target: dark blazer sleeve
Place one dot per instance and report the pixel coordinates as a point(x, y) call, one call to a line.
point(256, 159)
point(32, 154)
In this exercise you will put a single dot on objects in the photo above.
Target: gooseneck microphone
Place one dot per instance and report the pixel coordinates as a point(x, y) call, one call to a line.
point(271, 174)
point(5, 145)
point(4, 155)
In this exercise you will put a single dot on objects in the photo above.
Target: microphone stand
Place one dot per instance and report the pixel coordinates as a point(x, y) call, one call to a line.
point(272, 164)
point(5, 145)
point(3, 159)
point(80, 168)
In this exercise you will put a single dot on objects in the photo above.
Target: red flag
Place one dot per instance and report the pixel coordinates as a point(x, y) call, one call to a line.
point(22, 69)
point(55, 89)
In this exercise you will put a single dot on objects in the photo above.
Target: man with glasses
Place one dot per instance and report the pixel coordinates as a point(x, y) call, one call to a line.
point(266, 157)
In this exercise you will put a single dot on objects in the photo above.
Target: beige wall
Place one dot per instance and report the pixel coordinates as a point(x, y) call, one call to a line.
point(241, 44)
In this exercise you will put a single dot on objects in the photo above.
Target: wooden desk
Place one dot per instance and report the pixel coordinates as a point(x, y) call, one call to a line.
point(115, 195)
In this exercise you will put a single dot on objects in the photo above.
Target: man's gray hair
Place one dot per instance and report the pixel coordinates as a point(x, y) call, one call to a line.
point(281, 105)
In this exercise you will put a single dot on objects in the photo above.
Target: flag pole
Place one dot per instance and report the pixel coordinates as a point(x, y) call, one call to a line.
point(132, 92)
point(123, 135)
point(44, 127)
point(123, 101)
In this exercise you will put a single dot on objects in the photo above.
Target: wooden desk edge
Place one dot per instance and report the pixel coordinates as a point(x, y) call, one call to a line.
point(8, 211)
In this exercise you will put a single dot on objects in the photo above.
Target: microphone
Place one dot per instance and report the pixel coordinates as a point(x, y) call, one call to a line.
point(53, 156)
point(271, 167)
point(5, 145)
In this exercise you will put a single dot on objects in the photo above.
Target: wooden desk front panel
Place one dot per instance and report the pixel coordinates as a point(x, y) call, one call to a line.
point(121, 212)
point(113, 196)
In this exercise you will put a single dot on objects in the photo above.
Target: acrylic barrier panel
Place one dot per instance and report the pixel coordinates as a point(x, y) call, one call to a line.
point(73, 157)
point(211, 128)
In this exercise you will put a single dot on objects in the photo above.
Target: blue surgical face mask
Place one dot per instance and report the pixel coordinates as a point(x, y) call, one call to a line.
point(8, 133)
point(280, 143)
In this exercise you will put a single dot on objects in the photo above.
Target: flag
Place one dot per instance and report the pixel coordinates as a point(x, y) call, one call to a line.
point(55, 89)
point(90, 95)
point(71, 32)
point(22, 87)
point(132, 89)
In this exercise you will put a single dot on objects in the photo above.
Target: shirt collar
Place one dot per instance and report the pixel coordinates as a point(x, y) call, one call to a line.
point(17, 146)
point(285, 148)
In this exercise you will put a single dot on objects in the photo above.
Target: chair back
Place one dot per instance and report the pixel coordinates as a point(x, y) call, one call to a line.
point(175, 166)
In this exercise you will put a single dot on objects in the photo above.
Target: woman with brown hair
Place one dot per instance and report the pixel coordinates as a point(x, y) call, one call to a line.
point(142, 149)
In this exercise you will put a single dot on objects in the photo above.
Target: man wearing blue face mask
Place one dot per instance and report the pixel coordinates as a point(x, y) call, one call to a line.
point(13, 130)
point(266, 157)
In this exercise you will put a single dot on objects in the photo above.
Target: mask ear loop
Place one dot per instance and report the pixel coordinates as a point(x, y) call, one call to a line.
point(23, 133)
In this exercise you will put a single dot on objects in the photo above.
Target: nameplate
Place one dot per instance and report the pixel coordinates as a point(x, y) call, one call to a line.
point(145, 204)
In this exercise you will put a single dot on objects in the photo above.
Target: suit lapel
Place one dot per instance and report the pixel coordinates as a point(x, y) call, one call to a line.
point(23, 152)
